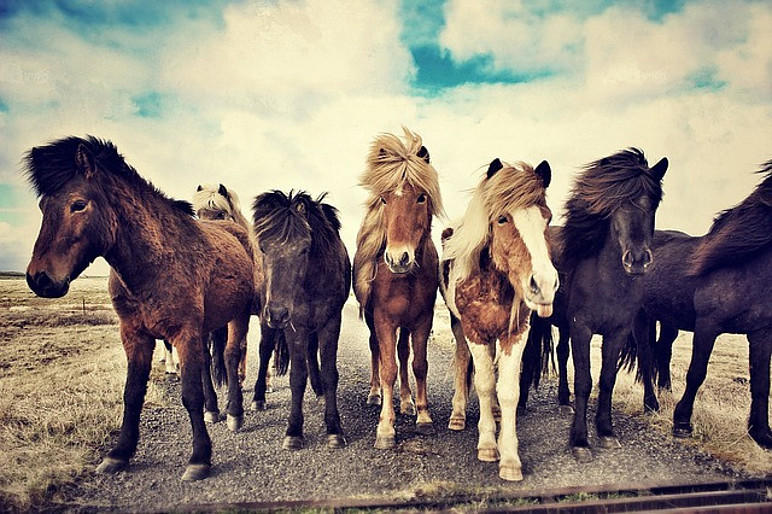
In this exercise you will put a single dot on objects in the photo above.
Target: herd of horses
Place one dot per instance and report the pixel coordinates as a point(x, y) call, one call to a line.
point(191, 276)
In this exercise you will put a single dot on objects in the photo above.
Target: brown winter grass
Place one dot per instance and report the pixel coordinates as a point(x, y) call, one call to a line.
point(62, 370)
point(721, 409)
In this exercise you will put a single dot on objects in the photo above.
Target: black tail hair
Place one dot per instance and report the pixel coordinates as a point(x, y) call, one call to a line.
point(539, 351)
point(281, 358)
point(218, 339)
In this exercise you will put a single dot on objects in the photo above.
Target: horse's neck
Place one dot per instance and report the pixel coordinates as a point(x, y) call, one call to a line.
point(146, 239)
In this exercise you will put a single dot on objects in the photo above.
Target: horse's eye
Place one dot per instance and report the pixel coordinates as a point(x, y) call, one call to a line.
point(220, 215)
point(78, 205)
point(422, 198)
point(383, 200)
point(502, 220)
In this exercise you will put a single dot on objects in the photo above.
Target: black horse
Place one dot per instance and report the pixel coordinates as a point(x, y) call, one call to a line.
point(307, 281)
point(714, 284)
point(601, 252)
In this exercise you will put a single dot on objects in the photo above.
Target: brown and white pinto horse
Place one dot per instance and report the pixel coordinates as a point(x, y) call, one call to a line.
point(171, 277)
point(496, 270)
point(396, 273)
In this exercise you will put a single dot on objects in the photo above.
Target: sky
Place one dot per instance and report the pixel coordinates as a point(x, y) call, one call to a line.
point(262, 95)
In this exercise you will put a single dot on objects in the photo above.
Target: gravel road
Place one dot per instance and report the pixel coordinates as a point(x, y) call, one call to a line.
point(250, 466)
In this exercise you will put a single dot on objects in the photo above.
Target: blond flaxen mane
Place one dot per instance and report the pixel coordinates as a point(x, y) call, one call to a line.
point(210, 197)
point(511, 188)
point(391, 163)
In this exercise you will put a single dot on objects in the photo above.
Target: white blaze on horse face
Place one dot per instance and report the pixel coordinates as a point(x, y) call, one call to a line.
point(541, 285)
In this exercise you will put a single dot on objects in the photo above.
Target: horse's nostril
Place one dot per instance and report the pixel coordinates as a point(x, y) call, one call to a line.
point(534, 285)
point(648, 258)
point(627, 258)
point(404, 259)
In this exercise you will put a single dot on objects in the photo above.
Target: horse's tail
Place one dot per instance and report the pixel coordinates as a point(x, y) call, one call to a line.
point(630, 357)
point(312, 363)
point(219, 338)
point(281, 358)
point(539, 351)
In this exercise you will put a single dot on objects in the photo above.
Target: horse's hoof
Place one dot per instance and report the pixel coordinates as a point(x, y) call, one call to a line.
point(581, 454)
point(211, 416)
point(112, 465)
point(425, 428)
point(682, 430)
point(292, 442)
point(268, 389)
point(457, 423)
point(172, 377)
point(385, 442)
point(374, 400)
point(196, 472)
point(258, 406)
point(566, 410)
point(487, 454)
point(609, 442)
point(336, 441)
point(407, 408)
point(511, 474)
point(650, 407)
point(235, 422)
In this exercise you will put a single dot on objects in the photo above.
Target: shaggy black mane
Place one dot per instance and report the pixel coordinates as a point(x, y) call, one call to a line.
point(601, 188)
point(739, 233)
point(49, 168)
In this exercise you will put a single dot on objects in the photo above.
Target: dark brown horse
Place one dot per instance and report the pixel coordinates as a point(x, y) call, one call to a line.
point(497, 270)
point(602, 252)
point(307, 282)
point(171, 277)
point(396, 273)
point(714, 284)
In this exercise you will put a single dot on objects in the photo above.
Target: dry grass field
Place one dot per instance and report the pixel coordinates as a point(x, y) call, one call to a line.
point(62, 369)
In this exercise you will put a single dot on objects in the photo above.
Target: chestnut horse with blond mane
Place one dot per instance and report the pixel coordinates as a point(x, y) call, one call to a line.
point(496, 270)
point(171, 277)
point(396, 273)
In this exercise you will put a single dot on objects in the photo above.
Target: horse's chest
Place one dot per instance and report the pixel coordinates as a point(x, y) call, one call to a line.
point(485, 305)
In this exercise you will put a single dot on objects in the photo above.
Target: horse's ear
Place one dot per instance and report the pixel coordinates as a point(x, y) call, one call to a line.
point(301, 207)
point(659, 169)
point(544, 171)
point(423, 153)
point(199, 188)
point(85, 161)
point(494, 167)
point(223, 191)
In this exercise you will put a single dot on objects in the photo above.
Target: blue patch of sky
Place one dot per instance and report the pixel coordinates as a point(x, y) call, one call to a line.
point(149, 104)
point(3, 106)
point(705, 79)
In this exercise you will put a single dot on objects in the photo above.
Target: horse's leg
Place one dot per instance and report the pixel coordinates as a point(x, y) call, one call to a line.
point(485, 383)
point(191, 351)
point(211, 410)
point(237, 335)
point(243, 362)
point(328, 345)
point(406, 403)
point(641, 329)
point(374, 398)
point(611, 349)
point(313, 365)
point(702, 347)
point(563, 351)
point(267, 341)
point(461, 376)
point(139, 353)
point(298, 348)
point(385, 435)
point(508, 389)
point(580, 348)
point(172, 369)
point(760, 348)
point(420, 338)
point(664, 352)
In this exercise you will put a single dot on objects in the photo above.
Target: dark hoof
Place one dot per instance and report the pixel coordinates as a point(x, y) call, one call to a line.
point(111, 465)
point(258, 406)
point(425, 429)
point(196, 472)
point(235, 422)
point(172, 377)
point(609, 443)
point(374, 400)
point(682, 430)
point(292, 442)
point(581, 454)
point(336, 441)
point(385, 442)
point(651, 407)
point(212, 417)
point(408, 409)
point(763, 438)
point(566, 410)
point(521, 411)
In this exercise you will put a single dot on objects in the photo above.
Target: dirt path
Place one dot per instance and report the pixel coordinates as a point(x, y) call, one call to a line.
point(251, 466)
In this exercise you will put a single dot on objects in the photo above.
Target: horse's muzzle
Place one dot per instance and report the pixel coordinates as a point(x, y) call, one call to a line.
point(637, 263)
point(277, 316)
point(400, 265)
point(42, 285)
